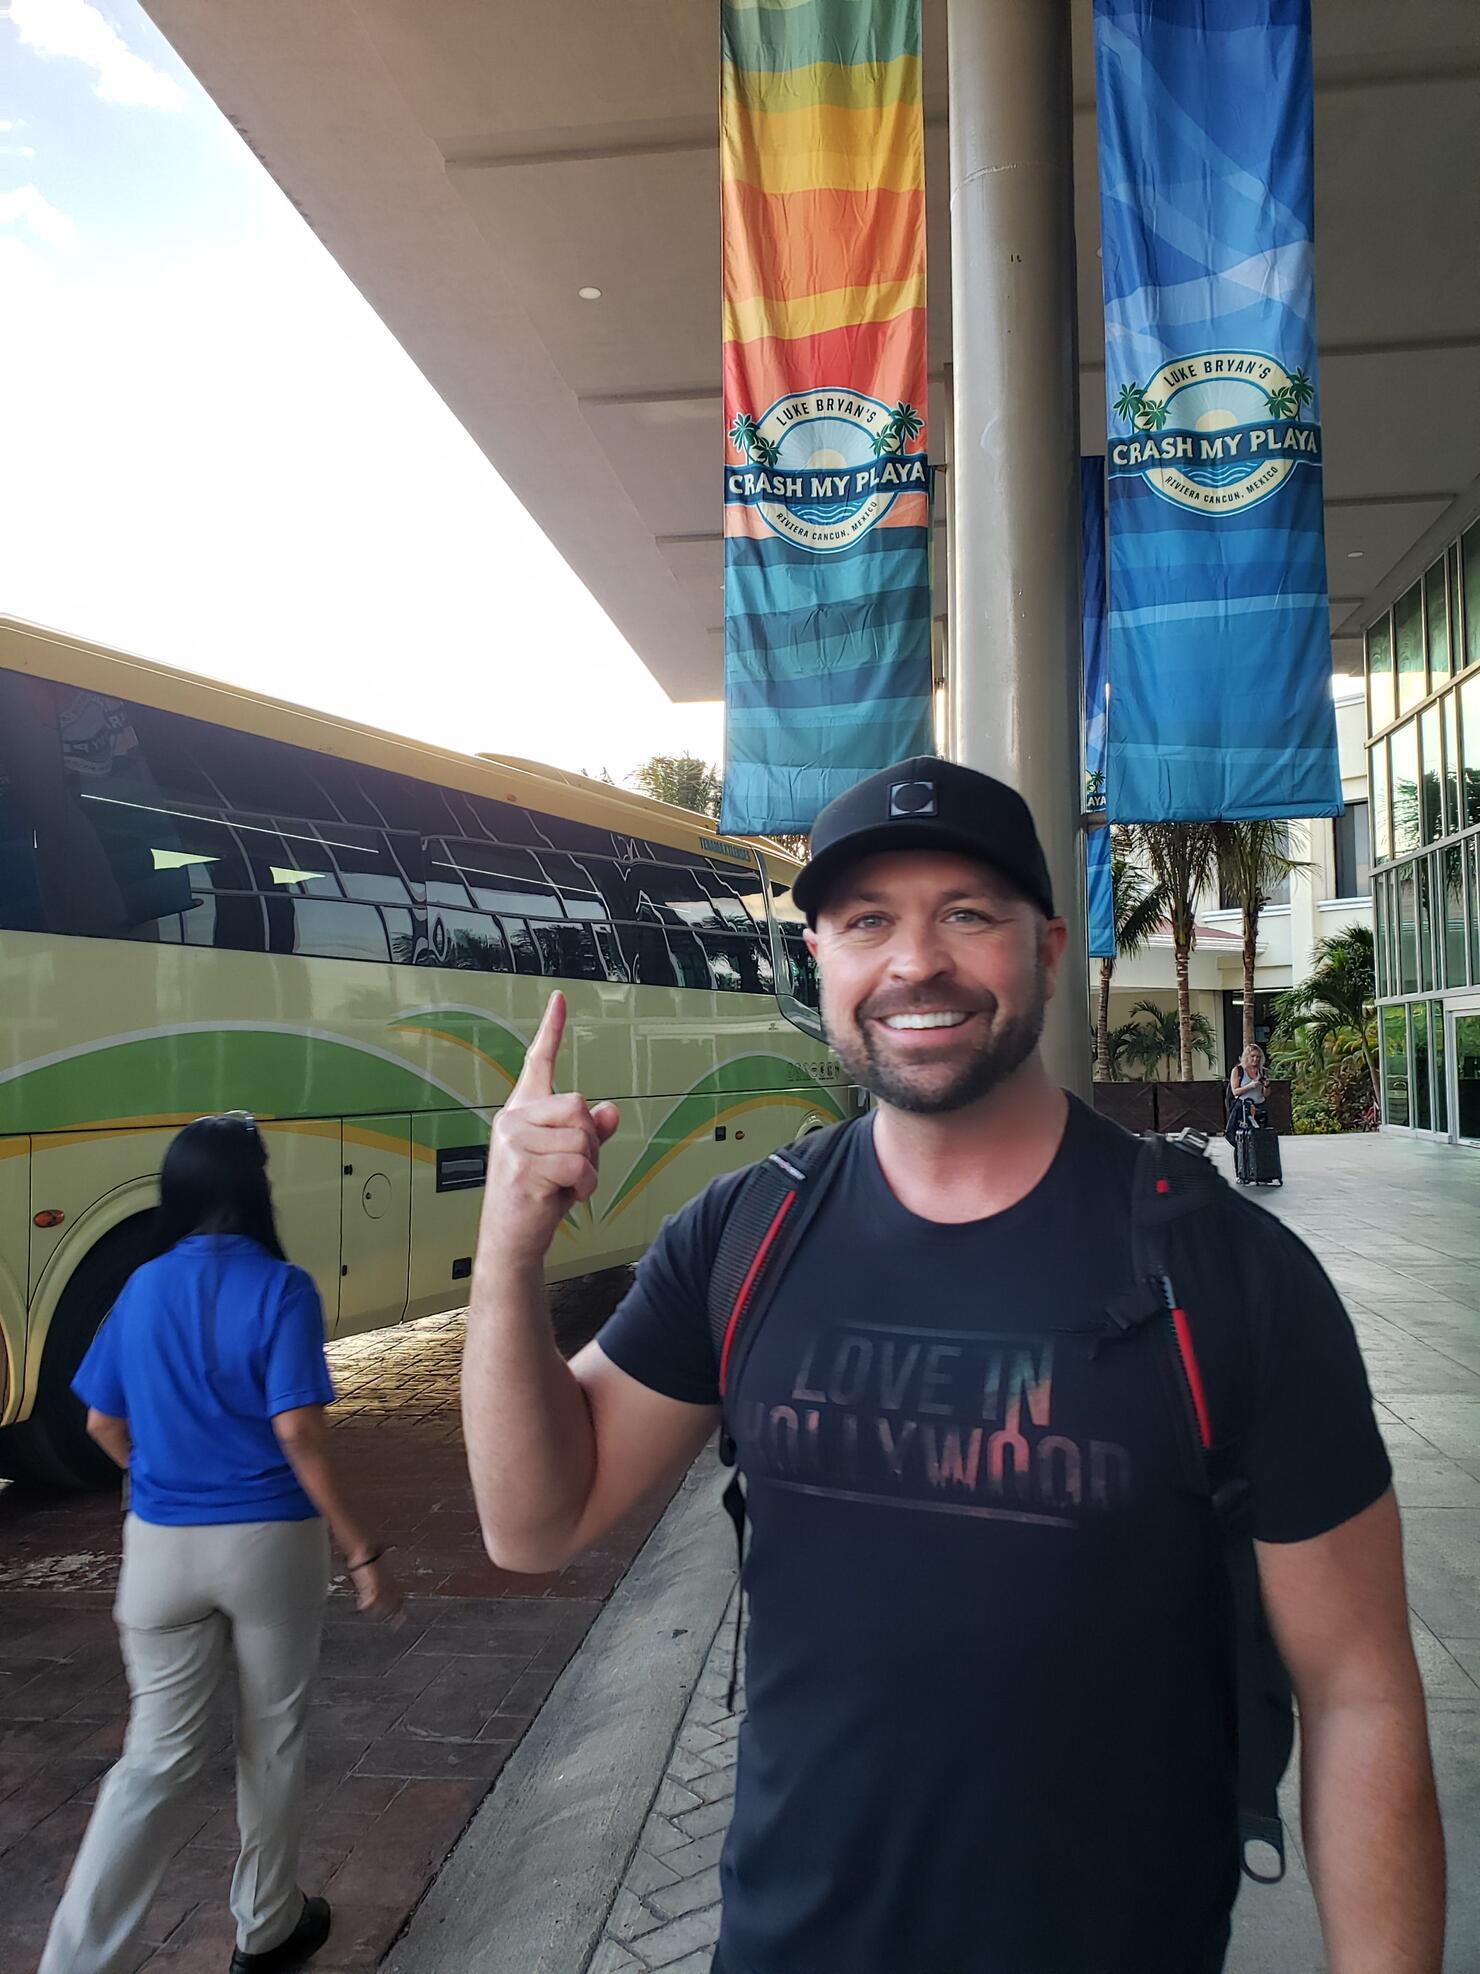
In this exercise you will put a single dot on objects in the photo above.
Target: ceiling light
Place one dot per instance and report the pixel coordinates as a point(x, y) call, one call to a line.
point(1355, 554)
point(589, 294)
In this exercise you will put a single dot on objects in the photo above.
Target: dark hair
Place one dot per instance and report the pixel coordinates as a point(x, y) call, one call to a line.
point(214, 1181)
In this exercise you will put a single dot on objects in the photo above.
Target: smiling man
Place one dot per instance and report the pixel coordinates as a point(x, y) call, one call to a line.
point(989, 1677)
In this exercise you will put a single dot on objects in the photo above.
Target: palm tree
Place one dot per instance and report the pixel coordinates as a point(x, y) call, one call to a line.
point(1158, 1039)
point(765, 452)
point(1280, 401)
point(1301, 390)
point(1128, 404)
point(1152, 414)
point(1339, 993)
point(743, 434)
point(1138, 909)
point(1253, 857)
point(1183, 857)
point(907, 423)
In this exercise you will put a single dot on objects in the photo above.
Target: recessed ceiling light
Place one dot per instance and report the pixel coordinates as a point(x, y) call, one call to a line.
point(1355, 554)
point(589, 294)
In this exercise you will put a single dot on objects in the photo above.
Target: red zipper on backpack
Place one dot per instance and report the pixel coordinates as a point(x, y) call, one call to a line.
point(749, 1283)
point(1191, 1371)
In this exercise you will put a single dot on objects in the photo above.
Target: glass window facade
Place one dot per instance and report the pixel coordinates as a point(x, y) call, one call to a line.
point(1403, 749)
point(1382, 822)
point(1395, 1065)
point(1423, 695)
point(1431, 791)
point(1436, 619)
point(1408, 644)
point(1353, 853)
point(1469, 560)
point(1382, 705)
point(1469, 716)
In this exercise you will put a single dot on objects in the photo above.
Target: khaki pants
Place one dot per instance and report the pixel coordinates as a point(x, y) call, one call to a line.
point(183, 1595)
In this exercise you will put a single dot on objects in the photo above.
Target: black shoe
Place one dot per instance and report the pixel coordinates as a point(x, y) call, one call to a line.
point(305, 1940)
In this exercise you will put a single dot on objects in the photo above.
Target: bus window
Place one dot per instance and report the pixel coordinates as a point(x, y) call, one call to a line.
point(502, 879)
point(337, 931)
point(578, 890)
point(376, 866)
point(444, 885)
point(568, 951)
point(521, 944)
point(690, 961)
point(735, 963)
point(674, 897)
point(470, 940)
point(803, 968)
point(614, 964)
point(801, 981)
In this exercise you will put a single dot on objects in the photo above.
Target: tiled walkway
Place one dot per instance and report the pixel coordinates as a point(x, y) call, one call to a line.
point(411, 1722)
point(1397, 1225)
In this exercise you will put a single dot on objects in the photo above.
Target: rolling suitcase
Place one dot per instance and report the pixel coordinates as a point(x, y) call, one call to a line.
point(1256, 1156)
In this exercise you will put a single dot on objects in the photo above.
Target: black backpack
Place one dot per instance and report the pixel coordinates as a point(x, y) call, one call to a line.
point(1179, 1260)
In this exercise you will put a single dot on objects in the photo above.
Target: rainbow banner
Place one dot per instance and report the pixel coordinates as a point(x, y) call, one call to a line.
point(827, 484)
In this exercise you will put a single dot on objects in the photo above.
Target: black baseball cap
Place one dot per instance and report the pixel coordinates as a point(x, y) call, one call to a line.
point(925, 804)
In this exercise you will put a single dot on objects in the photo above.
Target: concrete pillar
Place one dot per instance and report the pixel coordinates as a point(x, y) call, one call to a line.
point(1014, 481)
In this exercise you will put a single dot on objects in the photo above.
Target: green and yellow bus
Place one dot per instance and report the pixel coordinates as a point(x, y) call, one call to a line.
point(210, 900)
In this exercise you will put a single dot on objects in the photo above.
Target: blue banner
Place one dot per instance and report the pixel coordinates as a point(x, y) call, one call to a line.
point(1220, 628)
point(1099, 899)
point(1099, 894)
point(1092, 600)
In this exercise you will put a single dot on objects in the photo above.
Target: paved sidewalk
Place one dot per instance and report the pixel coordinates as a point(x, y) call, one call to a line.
point(1397, 1225)
point(666, 1914)
point(411, 1723)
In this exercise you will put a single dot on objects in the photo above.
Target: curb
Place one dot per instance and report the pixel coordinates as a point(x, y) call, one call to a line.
point(528, 1887)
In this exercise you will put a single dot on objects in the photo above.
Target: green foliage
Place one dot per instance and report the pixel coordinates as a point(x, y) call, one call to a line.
point(1155, 1040)
point(1331, 1014)
point(682, 779)
point(1334, 1096)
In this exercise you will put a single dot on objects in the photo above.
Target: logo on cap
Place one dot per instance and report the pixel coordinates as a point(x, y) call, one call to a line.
point(912, 798)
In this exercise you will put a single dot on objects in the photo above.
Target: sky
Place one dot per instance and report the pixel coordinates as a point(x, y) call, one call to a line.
point(217, 456)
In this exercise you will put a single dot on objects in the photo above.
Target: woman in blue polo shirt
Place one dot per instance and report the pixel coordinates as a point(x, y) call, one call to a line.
point(208, 1384)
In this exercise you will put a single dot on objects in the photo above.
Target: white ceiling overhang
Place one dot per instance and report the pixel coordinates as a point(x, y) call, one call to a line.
point(472, 164)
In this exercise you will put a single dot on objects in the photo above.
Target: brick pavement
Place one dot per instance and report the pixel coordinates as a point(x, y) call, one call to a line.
point(1396, 1225)
point(666, 1913)
point(411, 1723)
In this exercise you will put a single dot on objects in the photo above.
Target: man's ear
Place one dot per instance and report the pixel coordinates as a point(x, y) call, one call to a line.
point(1053, 936)
point(809, 939)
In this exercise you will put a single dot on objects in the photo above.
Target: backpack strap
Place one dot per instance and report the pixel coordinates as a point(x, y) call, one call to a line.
point(763, 1229)
point(776, 1203)
point(1177, 1216)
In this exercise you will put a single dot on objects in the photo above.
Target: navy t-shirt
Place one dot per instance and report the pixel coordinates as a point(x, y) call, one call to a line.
point(990, 1717)
point(202, 1349)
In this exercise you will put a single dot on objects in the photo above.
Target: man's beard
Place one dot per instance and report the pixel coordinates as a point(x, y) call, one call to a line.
point(1004, 1048)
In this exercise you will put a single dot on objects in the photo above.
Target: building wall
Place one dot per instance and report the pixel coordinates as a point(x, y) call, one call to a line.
point(1423, 686)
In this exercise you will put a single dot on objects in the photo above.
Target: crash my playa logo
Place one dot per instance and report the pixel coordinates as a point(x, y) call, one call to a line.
point(822, 468)
point(1216, 432)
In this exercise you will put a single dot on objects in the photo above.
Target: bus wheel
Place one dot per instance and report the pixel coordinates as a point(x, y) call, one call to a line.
point(52, 1447)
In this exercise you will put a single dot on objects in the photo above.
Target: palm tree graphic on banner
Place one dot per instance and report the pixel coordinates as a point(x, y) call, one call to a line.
point(745, 436)
point(1137, 409)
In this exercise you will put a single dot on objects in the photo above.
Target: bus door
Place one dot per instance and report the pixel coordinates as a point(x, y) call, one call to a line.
point(303, 1162)
point(375, 1223)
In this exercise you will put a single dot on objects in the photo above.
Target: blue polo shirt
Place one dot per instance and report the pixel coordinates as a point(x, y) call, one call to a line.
point(202, 1349)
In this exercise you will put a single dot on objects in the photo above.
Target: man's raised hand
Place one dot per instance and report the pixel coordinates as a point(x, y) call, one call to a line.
point(543, 1156)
